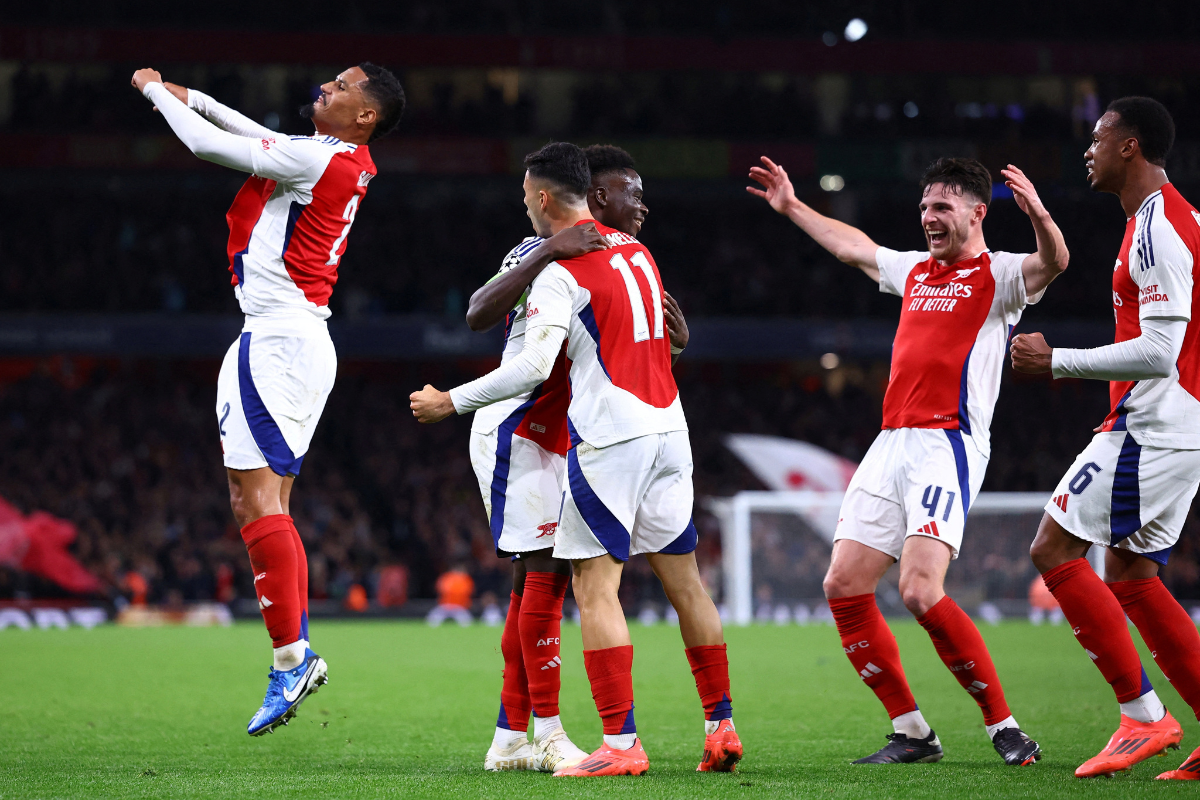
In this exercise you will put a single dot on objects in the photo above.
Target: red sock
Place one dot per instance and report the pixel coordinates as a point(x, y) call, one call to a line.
point(710, 668)
point(541, 624)
point(610, 672)
point(962, 650)
point(514, 694)
point(273, 559)
point(301, 578)
point(1169, 633)
point(869, 644)
point(1099, 625)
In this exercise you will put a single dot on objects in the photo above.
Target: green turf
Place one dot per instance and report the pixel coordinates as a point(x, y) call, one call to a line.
point(115, 712)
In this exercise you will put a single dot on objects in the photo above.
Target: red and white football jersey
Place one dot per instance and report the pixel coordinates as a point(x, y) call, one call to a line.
point(1154, 277)
point(952, 340)
point(618, 352)
point(288, 224)
point(539, 415)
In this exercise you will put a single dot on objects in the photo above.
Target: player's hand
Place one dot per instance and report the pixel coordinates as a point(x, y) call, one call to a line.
point(576, 240)
point(144, 76)
point(777, 187)
point(1023, 192)
point(1030, 353)
point(677, 327)
point(430, 405)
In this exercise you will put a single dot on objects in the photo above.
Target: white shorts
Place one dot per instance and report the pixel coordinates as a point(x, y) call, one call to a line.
point(912, 482)
point(628, 498)
point(1120, 494)
point(521, 483)
point(272, 389)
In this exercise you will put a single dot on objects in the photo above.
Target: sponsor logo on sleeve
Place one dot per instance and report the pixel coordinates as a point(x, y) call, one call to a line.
point(266, 143)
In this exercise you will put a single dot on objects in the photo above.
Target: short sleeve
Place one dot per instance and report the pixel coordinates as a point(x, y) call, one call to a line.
point(1165, 286)
point(894, 267)
point(551, 300)
point(1009, 273)
point(293, 161)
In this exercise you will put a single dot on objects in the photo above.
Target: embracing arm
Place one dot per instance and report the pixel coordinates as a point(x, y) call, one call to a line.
point(1151, 355)
point(492, 301)
point(1051, 258)
point(847, 243)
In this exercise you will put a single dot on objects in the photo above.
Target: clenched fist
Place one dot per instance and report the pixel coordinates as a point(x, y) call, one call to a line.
point(430, 405)
point(1030, 353)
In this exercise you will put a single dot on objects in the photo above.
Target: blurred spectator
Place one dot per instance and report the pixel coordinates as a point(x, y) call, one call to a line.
point(454, 588)
point(1042, 604)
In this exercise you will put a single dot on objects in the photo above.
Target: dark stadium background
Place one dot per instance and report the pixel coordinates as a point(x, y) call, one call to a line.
point(115, 305)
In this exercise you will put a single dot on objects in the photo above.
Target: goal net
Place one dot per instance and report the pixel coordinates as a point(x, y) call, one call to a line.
point(776, 545)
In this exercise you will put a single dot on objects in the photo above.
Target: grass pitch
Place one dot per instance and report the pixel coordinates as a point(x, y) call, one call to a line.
point(409, 712)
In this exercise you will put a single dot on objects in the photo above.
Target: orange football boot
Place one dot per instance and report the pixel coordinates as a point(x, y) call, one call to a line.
point(1189, 770)
point(610, 761)
point(1132, 743)
point(722, 749)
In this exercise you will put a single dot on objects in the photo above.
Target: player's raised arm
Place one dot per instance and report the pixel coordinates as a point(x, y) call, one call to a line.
point(1051, 258)
point(492, 301)
point(219, 114)
point(847, 243)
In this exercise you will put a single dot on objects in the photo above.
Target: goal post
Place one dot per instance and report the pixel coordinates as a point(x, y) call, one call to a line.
point(994, 566)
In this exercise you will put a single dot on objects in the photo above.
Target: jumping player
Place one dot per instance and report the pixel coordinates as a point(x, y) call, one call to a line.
point(628, 486)
point(287, 231)
point(908, 501)
point(520, 479)
point(1131, 488)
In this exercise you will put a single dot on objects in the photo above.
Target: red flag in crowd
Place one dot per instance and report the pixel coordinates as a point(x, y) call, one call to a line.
point(38, 544)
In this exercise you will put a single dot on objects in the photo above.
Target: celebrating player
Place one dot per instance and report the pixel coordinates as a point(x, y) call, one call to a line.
point(1131, 488)
point(908, 501)
point(522, 475)
point(287, 231)
point(628, 484)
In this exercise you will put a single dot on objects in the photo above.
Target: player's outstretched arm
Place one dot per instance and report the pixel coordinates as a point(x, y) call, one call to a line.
point(1152, 354)
point(491, 302)
point(847, 243)
point(1051, 258)
point(677, 328)
point(219, 114)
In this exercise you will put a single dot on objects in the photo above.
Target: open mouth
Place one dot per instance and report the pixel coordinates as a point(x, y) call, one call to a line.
point(936, 238)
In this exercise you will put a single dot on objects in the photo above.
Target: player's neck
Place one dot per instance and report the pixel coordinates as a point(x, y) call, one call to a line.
point(569, 217)
point(970, 250)
point(1140, 183)
point(351, 135)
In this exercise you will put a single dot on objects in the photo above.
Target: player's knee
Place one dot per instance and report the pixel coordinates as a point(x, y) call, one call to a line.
point(840, 583)
point(1050, 549)
point(920, 595)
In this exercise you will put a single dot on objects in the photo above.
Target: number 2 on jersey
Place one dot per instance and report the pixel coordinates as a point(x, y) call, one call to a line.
point(641, 325)
point(348, 215)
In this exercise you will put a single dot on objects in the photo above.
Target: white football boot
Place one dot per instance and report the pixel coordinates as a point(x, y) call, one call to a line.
point(556, 751)
point(520, 756)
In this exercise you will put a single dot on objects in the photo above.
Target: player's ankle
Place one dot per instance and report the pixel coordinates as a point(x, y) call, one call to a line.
point(1147, 708)
point(992, 730)
point(912, 724)
point(544, 726)
point(290, 656)
point(620, 741)
point(711, 725)
point(505, 739)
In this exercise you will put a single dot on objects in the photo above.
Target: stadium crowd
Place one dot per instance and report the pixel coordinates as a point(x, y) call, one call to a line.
point(128, 453)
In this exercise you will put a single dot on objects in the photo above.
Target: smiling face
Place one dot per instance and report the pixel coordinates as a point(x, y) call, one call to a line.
point(1106, 157)
point(616, 201)
point(949, 219)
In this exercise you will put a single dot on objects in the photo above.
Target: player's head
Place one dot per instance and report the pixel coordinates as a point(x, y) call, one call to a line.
point(955, 193)
point(556, 184)
point(615, 196)
point(1132, 132)
point(359, 105)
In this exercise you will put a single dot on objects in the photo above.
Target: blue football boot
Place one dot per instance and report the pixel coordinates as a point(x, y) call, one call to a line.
point(286, 690)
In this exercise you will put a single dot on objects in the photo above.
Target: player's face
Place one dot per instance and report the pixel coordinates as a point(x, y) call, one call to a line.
point(946, 218)
point(342, 99)
point(623, 207)
point(535, 207)
point(1103, 157)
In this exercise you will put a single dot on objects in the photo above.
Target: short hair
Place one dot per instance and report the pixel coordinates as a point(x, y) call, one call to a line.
point(962, 176)
point(384, 90)
point(604, 158)
point(1148, 121)
point(564, 165)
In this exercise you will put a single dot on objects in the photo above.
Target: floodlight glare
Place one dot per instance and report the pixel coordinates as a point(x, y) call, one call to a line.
point(855, 30)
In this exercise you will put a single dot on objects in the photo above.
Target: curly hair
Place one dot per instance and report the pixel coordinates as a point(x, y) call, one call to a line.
point(603, 158)
point(384, 90)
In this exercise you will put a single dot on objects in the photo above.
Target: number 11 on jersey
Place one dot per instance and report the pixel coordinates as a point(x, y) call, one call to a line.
point(641, 325)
